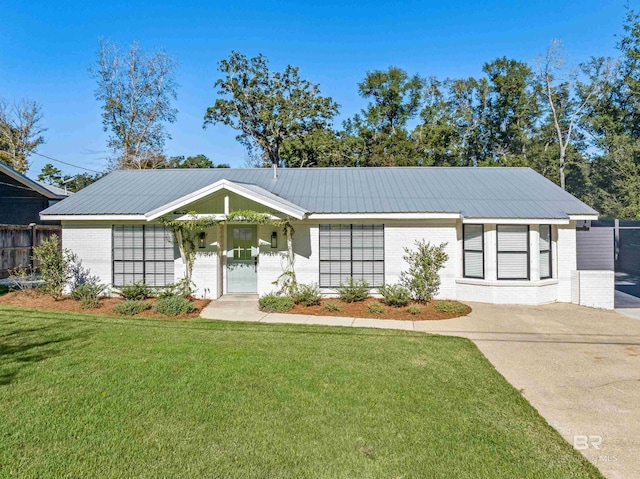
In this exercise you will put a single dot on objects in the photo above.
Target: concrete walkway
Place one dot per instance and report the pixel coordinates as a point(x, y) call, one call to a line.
point(579, 367)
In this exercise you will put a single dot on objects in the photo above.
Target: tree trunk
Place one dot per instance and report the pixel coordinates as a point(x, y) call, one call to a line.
point(562, 157)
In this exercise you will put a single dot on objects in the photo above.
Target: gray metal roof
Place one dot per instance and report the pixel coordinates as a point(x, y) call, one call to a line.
point(473, 192)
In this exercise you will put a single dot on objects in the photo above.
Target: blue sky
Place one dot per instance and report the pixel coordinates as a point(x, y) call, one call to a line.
point(46, 48)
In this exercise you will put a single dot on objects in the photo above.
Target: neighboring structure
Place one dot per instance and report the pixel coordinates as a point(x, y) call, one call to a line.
point(22, 199)
point(510, 233)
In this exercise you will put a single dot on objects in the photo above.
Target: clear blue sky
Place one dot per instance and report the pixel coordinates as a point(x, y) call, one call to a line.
point(46, 48)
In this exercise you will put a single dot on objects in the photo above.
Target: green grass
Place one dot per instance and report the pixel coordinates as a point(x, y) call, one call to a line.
point(100, 396)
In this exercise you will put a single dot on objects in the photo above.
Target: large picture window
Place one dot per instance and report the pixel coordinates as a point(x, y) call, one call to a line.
point(546, 260)
point(473, 254)
point(513, 251)
point(142, 253)
point(351, 250)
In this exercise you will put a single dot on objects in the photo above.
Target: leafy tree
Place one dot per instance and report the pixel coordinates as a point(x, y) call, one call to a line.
point(136, 90)
point(197, 161)
point(267, 108)
point(394, 98)
point(20, 132)
point(51, 175)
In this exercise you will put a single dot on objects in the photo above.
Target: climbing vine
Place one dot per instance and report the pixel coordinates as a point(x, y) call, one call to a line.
point(186, 232)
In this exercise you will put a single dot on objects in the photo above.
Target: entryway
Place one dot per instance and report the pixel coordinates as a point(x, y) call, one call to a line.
point(242, 259)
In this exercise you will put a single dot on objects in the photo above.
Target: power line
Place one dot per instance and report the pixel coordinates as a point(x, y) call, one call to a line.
point(65, 163)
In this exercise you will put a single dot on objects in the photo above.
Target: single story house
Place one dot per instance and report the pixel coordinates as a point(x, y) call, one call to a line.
point(510, 233)
point(22, 199)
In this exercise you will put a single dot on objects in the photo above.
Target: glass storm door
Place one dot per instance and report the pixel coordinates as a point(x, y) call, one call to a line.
point(242, 260)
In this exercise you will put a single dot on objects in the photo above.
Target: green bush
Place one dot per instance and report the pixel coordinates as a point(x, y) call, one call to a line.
point(307, 294)
point(272, 303)
point(135, 292)
point(395, 295)
point(414, 309)
point(55, 266)
point(4, 289)
point(131, 307)
point(88, 294)
point(181, 288)
point(174, 306)
point(375, 307)
point(452, 307)
point(331, 306)
point(353, 290)
point(422, 278)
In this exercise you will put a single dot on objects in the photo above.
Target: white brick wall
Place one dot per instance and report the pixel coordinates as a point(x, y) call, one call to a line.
point(594, 289)
point(91, 242)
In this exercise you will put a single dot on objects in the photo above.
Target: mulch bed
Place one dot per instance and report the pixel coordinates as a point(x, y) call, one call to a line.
point(35, 299)
point(428, 311)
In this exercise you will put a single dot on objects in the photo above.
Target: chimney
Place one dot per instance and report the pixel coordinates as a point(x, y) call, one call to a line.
point(274, 167)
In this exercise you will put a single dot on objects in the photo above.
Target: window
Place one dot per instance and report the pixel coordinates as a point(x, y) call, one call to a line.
point(351, 250)
point(473, 251)
point(142, 253)
point(546, 265)
point(513, 252)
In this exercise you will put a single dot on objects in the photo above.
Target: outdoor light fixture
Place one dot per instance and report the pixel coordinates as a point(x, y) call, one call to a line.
point(201, 239)
point(274, 240)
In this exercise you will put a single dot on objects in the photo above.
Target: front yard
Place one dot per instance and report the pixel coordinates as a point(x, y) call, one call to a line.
point(88, 395)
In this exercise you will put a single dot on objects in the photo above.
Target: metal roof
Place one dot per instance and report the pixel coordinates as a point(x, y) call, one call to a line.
point(472, 192)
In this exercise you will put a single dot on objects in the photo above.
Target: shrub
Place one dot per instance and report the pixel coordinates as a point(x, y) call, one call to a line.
point(174, 306)
point(23, 278)
point(413, 309)
point(451, 307)
point(135, 292)
point(88, 294)
point(331, 306)
point(395, 295)
point(422, 278)
point(353, 290)
point(375, 307)
point(272, 303)
point(55, 266)
point(182, 288)
point(131, 307)
point(307, 294)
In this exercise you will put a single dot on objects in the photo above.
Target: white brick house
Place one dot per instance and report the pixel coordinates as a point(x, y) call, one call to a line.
point(510, 233)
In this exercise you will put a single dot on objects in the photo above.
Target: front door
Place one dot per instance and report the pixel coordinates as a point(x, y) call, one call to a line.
point(242, 260)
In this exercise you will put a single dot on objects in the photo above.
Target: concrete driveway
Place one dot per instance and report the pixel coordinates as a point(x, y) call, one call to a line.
point(579, 367)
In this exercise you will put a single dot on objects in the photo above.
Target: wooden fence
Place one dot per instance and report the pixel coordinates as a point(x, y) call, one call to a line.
point(17, 242)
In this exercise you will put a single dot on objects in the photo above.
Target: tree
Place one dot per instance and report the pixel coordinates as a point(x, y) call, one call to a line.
point(20, 132)
point(564, 102)
point(267, 108)
point(51, 175)
point(197, 161)
point(394, 99)
point(137, 90)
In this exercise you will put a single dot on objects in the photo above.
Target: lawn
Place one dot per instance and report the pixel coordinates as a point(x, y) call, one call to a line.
point(100, 396)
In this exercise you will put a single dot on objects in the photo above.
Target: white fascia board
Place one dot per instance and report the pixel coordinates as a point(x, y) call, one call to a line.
point(517, 221)
point(379, 216)
point(229, 186)
point(583, 217)
point(93, 217)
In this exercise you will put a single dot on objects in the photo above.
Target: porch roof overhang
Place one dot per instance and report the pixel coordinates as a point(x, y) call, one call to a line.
point(251, 192)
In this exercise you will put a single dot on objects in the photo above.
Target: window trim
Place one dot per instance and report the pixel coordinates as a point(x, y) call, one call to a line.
point(464, 251)
point(144, 255)
point(498, 252)
point(550, 250)
point(383, 260)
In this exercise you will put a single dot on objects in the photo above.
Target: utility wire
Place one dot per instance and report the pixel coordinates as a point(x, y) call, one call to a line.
point(65, 163)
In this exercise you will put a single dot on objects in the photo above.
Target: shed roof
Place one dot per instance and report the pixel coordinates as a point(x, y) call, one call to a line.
point(471, 192)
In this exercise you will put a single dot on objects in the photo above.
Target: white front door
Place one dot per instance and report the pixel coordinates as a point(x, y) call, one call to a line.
point(242, 260)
